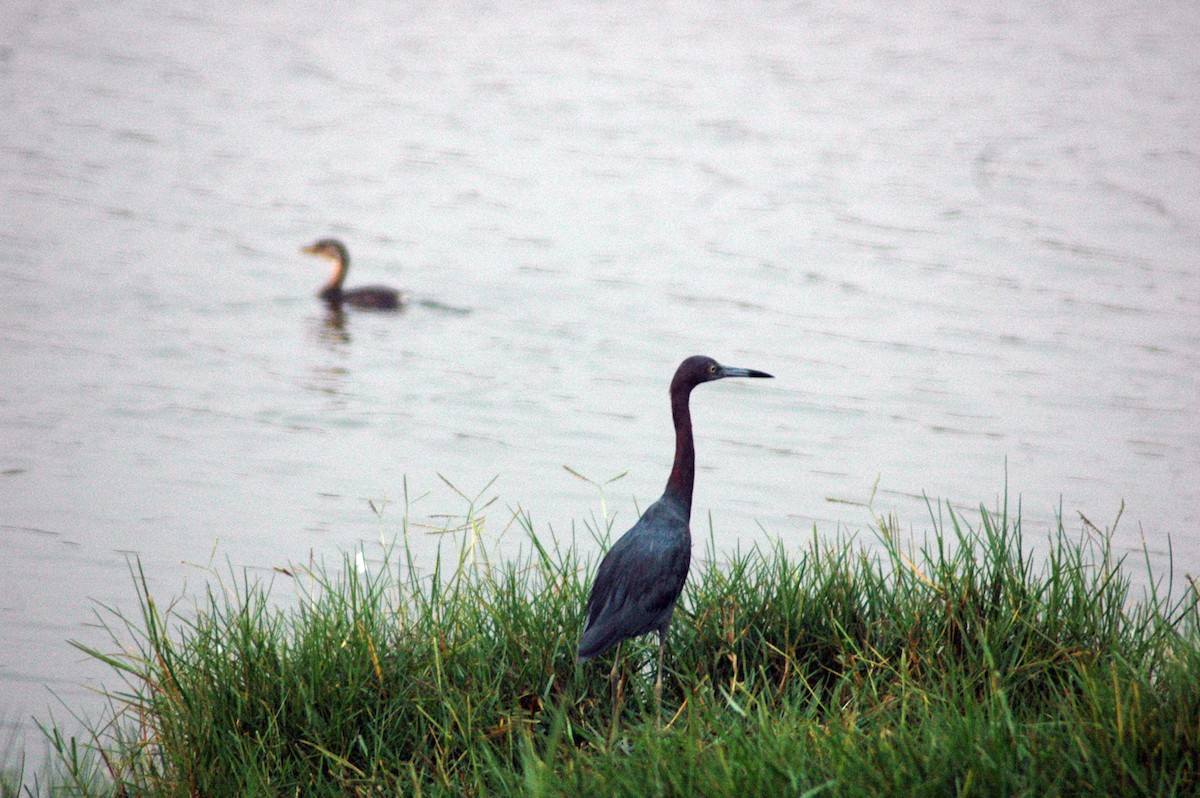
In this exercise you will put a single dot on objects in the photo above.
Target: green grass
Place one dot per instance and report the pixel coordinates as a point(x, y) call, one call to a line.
point(963, 666)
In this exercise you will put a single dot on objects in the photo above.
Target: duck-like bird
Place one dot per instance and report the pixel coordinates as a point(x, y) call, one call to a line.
point(375, 297)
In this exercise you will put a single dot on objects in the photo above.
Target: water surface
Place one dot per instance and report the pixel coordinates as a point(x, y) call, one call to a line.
point(965, 242)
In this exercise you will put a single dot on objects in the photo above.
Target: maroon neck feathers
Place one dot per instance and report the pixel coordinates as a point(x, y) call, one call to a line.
point(683, 472)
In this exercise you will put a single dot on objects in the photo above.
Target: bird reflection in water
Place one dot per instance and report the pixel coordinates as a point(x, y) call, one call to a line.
point(330, 335)
point(333, 329)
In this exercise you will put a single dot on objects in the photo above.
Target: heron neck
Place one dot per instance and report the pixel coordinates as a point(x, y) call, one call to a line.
point(683, 472)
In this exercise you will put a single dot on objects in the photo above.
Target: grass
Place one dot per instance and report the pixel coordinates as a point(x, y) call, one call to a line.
point(963, 666)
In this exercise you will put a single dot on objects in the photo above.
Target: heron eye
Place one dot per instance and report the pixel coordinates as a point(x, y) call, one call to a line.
point(712, 368)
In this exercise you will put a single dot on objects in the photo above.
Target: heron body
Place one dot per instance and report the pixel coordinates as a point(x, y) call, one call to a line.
point(641, 577)
point(374, 297)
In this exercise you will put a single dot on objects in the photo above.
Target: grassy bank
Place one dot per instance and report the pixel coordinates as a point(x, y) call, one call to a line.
point(959, 667)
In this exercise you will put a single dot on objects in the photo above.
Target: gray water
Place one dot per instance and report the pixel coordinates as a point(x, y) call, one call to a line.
point(965, 242)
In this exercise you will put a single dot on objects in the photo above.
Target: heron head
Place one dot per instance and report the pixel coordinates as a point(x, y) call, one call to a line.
point(699, 368)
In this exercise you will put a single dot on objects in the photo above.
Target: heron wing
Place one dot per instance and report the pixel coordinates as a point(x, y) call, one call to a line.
point(638, 583)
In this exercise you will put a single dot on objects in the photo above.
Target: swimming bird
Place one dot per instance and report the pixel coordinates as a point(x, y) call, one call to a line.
point(642, 575)
point(376, 297)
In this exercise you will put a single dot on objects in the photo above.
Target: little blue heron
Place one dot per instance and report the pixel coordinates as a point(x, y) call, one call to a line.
point(374, 297)
point(642, 575)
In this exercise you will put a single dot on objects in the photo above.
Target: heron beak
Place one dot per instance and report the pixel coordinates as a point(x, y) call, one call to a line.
point(311, 249)
point(730, 371)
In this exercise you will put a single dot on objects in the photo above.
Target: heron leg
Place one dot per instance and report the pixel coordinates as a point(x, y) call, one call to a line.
point(615, 681)
point(662, 645)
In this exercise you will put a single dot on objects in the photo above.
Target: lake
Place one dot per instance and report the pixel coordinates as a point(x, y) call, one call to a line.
point(966, 243)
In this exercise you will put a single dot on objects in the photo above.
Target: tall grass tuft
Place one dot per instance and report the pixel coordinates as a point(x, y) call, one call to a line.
point(965, 665)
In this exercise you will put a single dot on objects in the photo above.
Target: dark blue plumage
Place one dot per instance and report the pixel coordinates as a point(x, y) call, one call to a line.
point(642, 575)
point(639, 579)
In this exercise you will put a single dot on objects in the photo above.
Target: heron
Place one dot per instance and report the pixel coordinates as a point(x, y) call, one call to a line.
point(374, 297)
point(641, 576)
